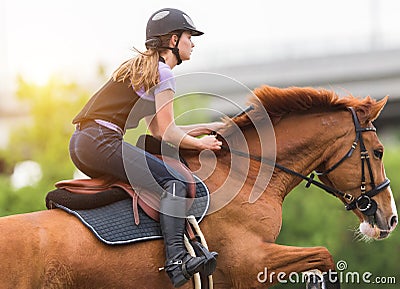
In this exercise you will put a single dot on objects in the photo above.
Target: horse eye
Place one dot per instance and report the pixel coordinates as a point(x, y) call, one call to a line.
point(378, 154)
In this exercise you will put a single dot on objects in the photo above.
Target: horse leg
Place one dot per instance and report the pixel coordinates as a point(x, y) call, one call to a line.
point(256, 264)
point(289, 261)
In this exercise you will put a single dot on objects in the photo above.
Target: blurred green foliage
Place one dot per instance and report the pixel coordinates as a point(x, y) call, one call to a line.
point(44, 139)
point(310, 216)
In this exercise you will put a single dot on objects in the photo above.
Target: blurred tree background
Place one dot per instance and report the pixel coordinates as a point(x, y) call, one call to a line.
point(44, 140)
point(310, 217)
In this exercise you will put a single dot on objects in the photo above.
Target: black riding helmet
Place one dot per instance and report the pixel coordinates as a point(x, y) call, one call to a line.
point(165, 21)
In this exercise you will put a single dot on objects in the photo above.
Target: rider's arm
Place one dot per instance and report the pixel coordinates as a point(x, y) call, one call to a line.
point(164, 126)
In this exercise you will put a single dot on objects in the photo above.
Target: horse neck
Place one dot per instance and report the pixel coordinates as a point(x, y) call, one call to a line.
point(304, 142)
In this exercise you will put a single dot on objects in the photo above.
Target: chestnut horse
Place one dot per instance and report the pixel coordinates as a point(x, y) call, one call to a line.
point(314, 130)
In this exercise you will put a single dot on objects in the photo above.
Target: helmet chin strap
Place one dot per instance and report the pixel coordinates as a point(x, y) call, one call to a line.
point(175, 49)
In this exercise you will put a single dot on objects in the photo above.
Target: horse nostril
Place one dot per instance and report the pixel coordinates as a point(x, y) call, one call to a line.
point(393, 221)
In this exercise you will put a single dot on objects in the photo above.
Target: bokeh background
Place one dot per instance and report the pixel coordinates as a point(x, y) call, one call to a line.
point(55, 54)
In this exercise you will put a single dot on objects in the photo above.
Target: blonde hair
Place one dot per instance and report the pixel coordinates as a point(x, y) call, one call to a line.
point(142, 70)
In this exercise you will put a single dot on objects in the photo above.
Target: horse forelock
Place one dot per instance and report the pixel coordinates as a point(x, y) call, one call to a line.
point(278, 102)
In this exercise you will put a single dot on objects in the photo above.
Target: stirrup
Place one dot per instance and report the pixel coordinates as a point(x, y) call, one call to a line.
point(210, 263)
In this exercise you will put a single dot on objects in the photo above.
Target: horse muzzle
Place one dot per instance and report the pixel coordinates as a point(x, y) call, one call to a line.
point(378, 227)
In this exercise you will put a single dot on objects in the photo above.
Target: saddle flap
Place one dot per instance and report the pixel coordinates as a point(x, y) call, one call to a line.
point(150, 202)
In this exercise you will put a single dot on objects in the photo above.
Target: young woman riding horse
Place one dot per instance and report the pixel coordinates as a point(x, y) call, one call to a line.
point(144, 87)
point(314, 130)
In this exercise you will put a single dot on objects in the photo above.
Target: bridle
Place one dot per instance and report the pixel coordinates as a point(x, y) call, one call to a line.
point(364, 203)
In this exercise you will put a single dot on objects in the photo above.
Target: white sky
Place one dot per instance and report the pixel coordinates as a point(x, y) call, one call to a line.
point(41, 37)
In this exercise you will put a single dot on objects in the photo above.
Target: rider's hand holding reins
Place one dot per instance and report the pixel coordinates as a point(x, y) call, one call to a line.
point(210, 142)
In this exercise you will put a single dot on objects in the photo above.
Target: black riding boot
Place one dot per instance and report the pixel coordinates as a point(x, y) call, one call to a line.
point(180, 266)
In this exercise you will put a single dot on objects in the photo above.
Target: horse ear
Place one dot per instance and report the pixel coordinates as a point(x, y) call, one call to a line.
point(370, 109)
point(377, 108)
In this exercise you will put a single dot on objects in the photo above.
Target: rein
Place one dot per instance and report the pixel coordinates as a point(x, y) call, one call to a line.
point(364, 202)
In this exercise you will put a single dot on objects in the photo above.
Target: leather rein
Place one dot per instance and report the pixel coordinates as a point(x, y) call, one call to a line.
point(364, 202)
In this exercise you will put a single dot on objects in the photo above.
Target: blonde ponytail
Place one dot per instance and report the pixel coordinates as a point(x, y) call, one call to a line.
point(142, 70)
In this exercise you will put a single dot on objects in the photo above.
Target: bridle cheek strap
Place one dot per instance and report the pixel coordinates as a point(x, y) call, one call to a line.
point(364, 202)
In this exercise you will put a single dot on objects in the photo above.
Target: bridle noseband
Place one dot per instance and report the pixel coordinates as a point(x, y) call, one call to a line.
point(364, 203)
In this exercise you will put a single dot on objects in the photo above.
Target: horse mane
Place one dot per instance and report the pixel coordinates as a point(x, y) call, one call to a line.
point(278, 102)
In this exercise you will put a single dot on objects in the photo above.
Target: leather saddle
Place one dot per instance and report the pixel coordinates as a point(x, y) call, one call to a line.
point(96, 192)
